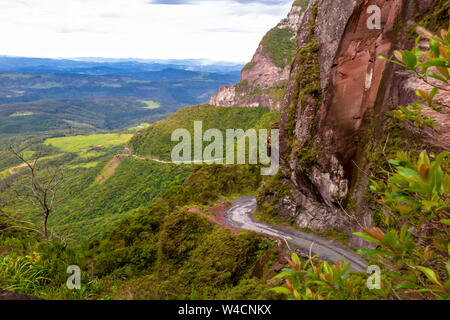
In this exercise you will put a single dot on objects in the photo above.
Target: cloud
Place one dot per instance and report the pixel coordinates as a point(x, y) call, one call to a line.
point(228, 30)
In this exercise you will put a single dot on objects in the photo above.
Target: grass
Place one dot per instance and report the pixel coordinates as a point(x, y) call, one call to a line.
point(21, 114)
point(149, 104)
point(90, 154)
point(81, 143)
point(7, 172)
point(28, 154)
point(277, 45)
point(86, 165)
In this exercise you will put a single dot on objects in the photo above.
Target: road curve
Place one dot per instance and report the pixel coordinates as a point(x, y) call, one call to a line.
point(240, 216)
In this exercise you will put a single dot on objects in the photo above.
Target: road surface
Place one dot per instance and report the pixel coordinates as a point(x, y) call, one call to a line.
point(240, 216)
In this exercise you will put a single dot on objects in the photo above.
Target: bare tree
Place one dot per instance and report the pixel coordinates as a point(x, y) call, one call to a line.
point(38, 193)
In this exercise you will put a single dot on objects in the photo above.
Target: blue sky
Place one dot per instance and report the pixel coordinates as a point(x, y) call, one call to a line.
point(225, 30)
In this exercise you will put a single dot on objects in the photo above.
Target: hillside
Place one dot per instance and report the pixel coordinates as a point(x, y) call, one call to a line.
point(48, 102)
point(151, 249)
point(156, 141)
point(96, 172)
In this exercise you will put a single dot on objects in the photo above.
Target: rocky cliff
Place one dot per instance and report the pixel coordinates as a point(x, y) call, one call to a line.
point(333, 129)
point(264, 78)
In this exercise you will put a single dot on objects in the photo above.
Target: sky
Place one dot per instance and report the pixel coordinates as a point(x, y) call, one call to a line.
point(219, 30)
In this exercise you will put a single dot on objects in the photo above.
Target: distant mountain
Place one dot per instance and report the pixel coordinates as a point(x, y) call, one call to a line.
point(43, 95)
point(106, 66)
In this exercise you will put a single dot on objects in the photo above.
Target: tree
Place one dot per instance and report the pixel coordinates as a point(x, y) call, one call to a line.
point(37, 190)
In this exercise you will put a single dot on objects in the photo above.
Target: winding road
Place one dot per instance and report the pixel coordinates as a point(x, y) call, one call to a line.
point(240, 216)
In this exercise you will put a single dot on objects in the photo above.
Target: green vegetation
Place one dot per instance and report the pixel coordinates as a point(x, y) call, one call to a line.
point(272, 190)
point(88, 205)
point(279, 47)
point(416, 199)
point(318, 280)
point(152, 232)
point(161, 252)
point(56, 116)
point(420, 63)
point(156, 140)
point(21, 114)
point(302, 3)
point(149, 104)
point(82, 143)
point(412, 240)
point(85, 204)
point(439, 17)
point(307, 93)
point(65, 102)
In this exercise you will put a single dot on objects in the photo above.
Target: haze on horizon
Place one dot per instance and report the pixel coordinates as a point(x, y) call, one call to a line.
point(217, 30)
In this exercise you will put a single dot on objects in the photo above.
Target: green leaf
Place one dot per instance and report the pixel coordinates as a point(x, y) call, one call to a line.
point(393, 61)
point(434, 47)
point(409, 59)
point(327, 268)
point(409, 174)
point(435, 76)
point(431, 275)
point(434, 63)
point(406, 285)
point(391, 239)
point(296, 259)
point(283, 274)
point(367, 238)
point(403, 232)
point(446, 221)
point(433, 93)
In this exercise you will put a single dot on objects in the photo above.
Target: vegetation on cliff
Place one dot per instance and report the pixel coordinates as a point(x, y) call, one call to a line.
point(156, 140)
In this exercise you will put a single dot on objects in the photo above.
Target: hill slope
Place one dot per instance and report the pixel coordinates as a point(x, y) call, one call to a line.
point(156, 142)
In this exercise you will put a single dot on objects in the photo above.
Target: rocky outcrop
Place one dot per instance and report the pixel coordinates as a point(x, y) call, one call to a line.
point(264, 78)
point(337, 95)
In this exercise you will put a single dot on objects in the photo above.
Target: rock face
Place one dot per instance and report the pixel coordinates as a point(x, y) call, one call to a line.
point(263, 79)
point(337, 95)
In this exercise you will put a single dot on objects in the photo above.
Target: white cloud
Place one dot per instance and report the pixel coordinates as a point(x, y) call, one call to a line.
point(213, 29)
